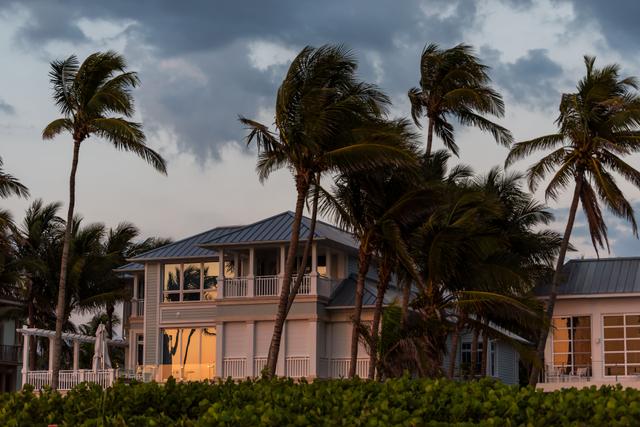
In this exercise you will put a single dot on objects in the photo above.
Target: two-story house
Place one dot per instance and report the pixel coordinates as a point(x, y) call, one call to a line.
point(204, 307)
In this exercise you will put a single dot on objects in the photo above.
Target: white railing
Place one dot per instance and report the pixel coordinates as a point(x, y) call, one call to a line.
point(259, 364)
point(267, 286)
point(39, 379)
point(139, 308)
point(339, 368)
point(234, 367)
point(236, 287)
point(297, 367)
point(68, 379)
point(305, 286)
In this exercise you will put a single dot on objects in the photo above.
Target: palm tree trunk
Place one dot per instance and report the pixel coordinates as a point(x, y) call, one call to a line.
point(302, 187)
point(474, 353)
point(557, 275)
point(62, 286)
point(453, 353)
point(307, 246)
point(364, 259)
point(383, 282)
point(429, 137)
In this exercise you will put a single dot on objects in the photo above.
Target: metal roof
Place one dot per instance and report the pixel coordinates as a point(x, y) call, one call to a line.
point(599, 276)
point(278, 229)
point(130, 268)
point(185, 248)
point(345, 295)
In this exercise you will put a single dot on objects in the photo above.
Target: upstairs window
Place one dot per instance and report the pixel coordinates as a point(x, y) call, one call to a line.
point(190, 281)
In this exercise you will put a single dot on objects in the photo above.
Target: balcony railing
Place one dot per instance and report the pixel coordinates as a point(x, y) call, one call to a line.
point(9, 353)
point(270, 286)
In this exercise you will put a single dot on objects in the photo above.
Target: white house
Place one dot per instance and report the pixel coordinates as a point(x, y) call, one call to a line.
point(193, 320)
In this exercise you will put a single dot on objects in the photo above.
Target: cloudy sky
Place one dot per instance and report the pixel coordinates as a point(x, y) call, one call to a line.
point(203, 63)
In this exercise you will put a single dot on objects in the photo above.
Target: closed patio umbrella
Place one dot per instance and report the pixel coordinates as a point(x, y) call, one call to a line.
point(100, 351)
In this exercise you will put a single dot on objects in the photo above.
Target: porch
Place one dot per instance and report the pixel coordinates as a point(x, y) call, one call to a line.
point(68, 379)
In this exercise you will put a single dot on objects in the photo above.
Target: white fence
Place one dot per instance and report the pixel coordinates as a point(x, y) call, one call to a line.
point(297, 367)
point(267, 286)
point(69, 379)
point(339, 368)
point(234, 367)
point(259, 364)
point(234, 288)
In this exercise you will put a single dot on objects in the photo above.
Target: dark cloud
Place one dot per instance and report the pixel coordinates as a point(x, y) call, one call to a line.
point(533, 79)
point(212, 38)
point(6, 108)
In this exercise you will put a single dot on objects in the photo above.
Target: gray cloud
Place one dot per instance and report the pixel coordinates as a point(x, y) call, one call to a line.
point(6, 108)
point(533, 79)
point(213, 38)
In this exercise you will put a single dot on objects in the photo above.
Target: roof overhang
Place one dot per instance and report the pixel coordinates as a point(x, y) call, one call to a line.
point(594, 296)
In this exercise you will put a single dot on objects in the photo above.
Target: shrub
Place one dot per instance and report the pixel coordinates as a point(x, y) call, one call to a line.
point(401, 401)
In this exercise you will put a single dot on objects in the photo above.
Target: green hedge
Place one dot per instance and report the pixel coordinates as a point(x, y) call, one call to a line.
point(326, 403)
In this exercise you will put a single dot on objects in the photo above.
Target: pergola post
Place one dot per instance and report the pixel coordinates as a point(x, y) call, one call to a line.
point(25, 356)
point(51, 344)
point(76, 355)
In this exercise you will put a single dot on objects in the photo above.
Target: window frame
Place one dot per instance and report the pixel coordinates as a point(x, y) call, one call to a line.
point(626, 351)
point(181, 291)
point(572, 366)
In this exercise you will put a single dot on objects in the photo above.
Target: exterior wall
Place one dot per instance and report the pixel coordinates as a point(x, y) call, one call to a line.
point(596, 308)
point(151, 307)
point(10, 360)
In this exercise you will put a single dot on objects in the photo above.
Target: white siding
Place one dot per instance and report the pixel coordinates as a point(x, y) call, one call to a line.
point(506, 363)
point(264, 332)
point(152, 301)
point(297, 341)
point(235, 337)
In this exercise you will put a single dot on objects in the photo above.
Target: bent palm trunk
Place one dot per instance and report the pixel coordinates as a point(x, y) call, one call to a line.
point(62, 286)
point(364, 259)
point(302, 186)
point(383, 283)
point(557, 275)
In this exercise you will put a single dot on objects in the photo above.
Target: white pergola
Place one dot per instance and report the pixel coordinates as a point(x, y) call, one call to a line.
point(41, 378)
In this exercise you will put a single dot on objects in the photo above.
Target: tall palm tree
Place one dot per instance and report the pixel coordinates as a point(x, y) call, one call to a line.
point(455, 84)
point(323, 115)
point(9, 185)
point(95, 100)
point(597, 125)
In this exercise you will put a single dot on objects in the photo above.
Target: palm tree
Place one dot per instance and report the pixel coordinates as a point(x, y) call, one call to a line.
point(455, 84)
point(95, 100)
point(597, 126)
point(10, 185)
point(326, 120)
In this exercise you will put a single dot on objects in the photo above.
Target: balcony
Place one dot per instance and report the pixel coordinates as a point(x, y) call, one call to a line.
point(9, 354)
point(270, 286)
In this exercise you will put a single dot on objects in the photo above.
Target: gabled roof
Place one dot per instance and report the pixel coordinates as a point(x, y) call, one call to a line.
point(599, 276)
point(278, 229)
point(185, 248)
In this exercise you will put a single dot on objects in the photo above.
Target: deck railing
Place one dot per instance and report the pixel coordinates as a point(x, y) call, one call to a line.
point(235, 287)
point(262, 286)
point(267, 286)
point(69, 379)
point(234, 367)
point(339, 368)
point(297, 367)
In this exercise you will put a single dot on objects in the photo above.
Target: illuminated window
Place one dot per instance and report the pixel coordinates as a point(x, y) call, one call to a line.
point(189, 353)
point(190, 282)
point(621, 344)
point(571, 343)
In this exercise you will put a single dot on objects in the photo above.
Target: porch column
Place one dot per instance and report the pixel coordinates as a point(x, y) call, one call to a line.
point(282, 266)
point(236, 265)
point(25, 356)
point(220, 273)
point(251, 349)
point(314, 269)
point(250, 276)
point(220, 350)
point(76, 355)
point(314, 330)
point(327, 263)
